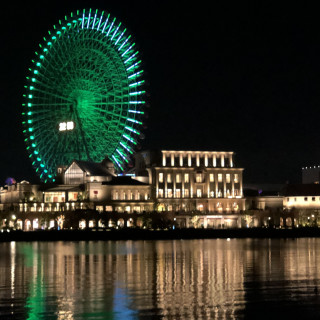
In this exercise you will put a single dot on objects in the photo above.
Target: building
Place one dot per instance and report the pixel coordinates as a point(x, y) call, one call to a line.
point(202, 189)
point(203, 182)
point(302, 202)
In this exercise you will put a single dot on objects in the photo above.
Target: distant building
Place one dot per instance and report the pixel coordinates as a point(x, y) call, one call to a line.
point(311, 174)
point(303, 202)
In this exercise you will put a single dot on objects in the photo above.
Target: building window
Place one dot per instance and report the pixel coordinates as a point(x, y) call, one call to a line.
point(228, 179)
point(160, 193)
point(169, 178)
point(306, 199)
point(199, 193)
point(211, 177)
point(115, 195)
point(199, 177)
point(109, 208)
point(186, 193)
point(186, 177)
point(236, 178)
point(178, 193)
point(169, 193)
point(211, 194)
point(219, 177)
point(288, 199)
point(178, 178)
point(200, 207)
point(160, 177)
point(313, 198)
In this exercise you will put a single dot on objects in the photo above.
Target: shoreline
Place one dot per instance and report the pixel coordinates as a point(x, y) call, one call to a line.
point(143, 234)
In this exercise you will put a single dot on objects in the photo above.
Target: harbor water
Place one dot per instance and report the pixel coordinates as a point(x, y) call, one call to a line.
point(171, 279)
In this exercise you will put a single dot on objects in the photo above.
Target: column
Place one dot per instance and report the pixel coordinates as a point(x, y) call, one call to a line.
point(231, 160)
point(206, 160)
point(224, 185)
point(216, 184)
point(222, 160)
point(163, 159)
point(197, 160)
point(205, 222)
point(214, 160)
point(232, 183)
point(174, 184)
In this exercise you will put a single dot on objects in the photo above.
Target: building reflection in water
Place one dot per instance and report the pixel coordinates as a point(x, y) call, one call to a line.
point(194, 279)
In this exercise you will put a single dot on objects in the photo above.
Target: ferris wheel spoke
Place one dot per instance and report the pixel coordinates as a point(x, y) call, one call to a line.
point(54, 95)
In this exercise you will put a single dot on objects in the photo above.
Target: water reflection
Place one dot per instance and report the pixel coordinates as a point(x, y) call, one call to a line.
point(200, 279)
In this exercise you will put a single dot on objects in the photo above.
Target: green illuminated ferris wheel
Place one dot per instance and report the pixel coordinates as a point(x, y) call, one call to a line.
point(84, 94)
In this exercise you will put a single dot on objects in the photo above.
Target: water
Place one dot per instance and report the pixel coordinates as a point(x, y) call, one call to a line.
point(192, 279)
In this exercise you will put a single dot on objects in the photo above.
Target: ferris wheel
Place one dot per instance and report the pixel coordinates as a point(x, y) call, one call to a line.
point(84, 95)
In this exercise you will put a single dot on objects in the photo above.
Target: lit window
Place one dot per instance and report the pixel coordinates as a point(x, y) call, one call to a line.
point(236, 178)
point(199, 177)
point(169, 179)
point(169, 193)
point(219, 177)
point(178, 178)
point(211, 177)
point(228, 179)
point(186, 177)
point(186, 193)
point(160, 177)
point(199, 193)
point(212, 194)
point(178, 193)
point(160, 193)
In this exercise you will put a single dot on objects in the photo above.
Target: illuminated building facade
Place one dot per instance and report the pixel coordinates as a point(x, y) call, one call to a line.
point(183, 182)
point(206, 182)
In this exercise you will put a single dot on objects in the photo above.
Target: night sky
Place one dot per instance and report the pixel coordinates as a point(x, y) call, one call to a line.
point(241, 78)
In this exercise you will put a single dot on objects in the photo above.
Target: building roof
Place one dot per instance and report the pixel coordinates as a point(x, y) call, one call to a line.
point(124, 181)
point(301, 190)
point(93, 168)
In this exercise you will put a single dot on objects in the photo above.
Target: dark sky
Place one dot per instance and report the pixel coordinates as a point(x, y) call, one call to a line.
point(241, 78)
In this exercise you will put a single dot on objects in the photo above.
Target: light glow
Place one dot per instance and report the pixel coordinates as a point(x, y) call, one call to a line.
point(66, 126)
